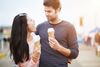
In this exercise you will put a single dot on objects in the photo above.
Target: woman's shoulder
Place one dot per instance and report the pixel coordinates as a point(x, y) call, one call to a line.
point(35, 37)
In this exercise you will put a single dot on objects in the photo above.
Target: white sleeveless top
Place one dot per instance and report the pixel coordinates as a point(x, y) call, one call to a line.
point(31, 44)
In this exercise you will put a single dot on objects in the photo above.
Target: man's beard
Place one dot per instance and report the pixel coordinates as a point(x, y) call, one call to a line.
point(51, 19)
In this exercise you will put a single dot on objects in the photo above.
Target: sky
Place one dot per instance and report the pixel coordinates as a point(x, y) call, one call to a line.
point(71, 11)
point(10, 8)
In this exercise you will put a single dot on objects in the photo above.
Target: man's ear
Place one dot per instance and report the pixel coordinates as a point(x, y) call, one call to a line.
point(59, 9)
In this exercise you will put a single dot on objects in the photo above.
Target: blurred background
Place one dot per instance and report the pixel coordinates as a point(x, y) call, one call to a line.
point(83, 14)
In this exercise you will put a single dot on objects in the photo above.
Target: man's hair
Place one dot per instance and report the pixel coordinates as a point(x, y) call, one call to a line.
point(52, 3)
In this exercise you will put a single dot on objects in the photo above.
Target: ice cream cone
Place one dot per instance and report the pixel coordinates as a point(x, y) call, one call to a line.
point(51, 32)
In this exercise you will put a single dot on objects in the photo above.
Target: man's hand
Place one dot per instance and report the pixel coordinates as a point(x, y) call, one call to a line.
point(69, 61)
point(54, 43)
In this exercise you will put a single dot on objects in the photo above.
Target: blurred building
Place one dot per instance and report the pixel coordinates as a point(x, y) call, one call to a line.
point(5, 31)
point(4, 36)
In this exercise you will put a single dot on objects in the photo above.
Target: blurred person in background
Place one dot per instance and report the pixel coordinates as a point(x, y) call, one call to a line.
point(22, 41)
point(58, 50)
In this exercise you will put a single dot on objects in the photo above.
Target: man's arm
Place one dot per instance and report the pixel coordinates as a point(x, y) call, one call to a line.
point(69, 53)
point(56, 46)
point(72, 51)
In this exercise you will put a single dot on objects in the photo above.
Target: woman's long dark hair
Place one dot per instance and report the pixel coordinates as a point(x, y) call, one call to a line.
point(18, 44)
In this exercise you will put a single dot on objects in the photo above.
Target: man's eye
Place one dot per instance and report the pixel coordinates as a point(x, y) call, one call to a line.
point(49, 11)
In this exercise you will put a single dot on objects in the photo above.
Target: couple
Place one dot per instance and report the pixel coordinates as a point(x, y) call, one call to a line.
point(53, 52)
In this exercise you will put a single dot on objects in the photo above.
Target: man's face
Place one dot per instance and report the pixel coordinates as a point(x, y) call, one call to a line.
point(50, 13)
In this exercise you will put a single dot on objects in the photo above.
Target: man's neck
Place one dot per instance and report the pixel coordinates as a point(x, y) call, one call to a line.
point(55, 21)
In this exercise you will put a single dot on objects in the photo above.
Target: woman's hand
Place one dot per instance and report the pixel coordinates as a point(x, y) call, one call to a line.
point(37, 52)
point(36, 56)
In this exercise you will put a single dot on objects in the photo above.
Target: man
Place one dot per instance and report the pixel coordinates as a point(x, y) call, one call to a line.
point(56, 50)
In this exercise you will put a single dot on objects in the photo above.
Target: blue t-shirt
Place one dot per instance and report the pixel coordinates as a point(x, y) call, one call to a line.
point(65, 34)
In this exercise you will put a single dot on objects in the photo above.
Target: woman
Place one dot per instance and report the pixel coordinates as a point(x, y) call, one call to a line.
point(25, 53)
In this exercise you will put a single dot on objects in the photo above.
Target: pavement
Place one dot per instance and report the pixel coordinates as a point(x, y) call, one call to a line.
point(87, 58)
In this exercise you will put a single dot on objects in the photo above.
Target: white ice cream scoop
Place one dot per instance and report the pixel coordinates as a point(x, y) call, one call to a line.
point(51, 32)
